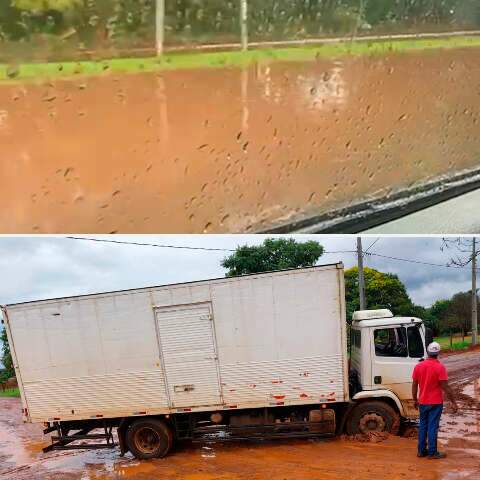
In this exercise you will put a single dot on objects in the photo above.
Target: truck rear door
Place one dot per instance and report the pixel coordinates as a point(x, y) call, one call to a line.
point(188, 350)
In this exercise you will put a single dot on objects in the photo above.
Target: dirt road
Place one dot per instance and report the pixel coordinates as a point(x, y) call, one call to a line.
point(232, 149)
point(392, 459)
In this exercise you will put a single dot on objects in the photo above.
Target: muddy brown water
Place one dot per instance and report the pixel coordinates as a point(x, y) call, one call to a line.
point(392, 459)
point(232, 149)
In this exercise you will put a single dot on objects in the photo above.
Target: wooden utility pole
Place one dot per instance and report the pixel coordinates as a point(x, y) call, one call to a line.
point(361, 276)
point(464, 245)
point(160, 26)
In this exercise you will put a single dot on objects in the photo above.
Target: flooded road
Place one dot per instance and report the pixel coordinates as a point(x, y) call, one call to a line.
point(339, 459)
point(232, 149)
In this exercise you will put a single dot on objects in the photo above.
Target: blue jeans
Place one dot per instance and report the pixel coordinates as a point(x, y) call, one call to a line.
point(429, 425)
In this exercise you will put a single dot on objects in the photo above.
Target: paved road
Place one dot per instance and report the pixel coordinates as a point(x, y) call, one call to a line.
point(460, 215)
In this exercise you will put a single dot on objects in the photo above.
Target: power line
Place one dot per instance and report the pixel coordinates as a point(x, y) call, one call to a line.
point(206, 249)
point(366, 251)
point(414, 261)
point(178, 247)
point(141, 244)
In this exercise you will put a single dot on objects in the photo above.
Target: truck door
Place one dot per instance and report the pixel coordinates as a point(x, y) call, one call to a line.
point(189, 355)
point(396, 351)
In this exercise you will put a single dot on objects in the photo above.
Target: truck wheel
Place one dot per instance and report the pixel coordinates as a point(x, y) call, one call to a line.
point(374, 416)
point(149, 438)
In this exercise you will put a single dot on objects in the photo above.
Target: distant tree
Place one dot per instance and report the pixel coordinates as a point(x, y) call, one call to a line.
point(458, 314)
point(382, 290)
point(450, 324)
point(8, 370)
point(273, 254)
point(435, 313)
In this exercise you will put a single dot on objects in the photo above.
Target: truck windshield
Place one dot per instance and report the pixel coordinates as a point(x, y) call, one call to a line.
point(399, 342)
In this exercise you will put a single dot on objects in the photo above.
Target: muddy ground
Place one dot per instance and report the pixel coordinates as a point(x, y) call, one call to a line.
point(232, 149)
point(338, 459)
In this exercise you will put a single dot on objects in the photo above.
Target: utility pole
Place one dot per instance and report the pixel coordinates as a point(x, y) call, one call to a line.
point(244, 24)
point(160, 26)
point(361, 277)
point(463, 245)
point(474, 294)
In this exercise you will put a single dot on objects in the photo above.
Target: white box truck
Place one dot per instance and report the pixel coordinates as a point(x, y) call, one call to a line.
point(260, 355)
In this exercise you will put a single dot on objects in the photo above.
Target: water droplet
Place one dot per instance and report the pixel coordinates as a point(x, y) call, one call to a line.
point(49, 97)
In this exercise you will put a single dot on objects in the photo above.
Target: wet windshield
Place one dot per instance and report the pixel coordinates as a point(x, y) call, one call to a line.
point(216, 116)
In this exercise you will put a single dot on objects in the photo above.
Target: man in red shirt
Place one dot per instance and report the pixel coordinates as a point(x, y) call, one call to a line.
point(431, 376)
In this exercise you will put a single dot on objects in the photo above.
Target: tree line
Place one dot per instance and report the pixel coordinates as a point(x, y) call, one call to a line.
point(90, 21)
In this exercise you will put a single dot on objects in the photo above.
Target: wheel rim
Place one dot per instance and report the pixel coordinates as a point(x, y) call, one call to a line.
point(372, 422)
point(147, 440)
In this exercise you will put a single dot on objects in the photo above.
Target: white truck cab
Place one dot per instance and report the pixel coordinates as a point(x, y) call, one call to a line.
point(384, 351)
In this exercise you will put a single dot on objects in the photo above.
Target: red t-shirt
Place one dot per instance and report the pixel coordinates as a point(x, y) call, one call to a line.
point(428, 375)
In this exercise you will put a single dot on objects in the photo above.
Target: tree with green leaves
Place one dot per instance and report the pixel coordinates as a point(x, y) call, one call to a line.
point(273, 254)
point(458, 314)
point(436, 313)
point(382, 290)
point(8, 370)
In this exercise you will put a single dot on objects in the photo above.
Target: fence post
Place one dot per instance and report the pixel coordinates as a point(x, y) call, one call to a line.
point(160, 26)
point(244, 24)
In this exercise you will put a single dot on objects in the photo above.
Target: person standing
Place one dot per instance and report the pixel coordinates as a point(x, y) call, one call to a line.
point(432, 378)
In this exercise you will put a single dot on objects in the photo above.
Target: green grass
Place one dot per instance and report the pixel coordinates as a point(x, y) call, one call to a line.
point(457, 343)
point(14, 392)
point(182, 61)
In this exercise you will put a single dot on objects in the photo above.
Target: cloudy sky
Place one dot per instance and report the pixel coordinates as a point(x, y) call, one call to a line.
point(34, 268)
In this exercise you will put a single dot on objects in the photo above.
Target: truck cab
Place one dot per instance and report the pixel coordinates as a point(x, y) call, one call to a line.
point(384, 351)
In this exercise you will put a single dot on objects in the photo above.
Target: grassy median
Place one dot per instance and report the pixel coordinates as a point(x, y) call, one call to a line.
point(14, 392)
point(182, 61)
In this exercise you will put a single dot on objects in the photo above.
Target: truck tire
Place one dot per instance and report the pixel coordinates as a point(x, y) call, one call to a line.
point(149, 438)
point(373, 416)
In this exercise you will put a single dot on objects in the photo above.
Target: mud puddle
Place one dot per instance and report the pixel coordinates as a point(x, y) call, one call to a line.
point(228, 150)
point(462, 430)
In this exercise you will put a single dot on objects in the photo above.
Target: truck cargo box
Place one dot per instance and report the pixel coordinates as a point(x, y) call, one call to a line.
point(261, 340)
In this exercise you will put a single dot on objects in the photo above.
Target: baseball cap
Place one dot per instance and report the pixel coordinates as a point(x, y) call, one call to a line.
point(434, 348)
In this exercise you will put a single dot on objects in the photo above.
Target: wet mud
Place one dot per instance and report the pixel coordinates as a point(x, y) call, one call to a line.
point(232, 149)
point(339, 459)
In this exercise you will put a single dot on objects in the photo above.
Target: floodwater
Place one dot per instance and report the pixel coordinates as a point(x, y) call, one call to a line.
point(232, 149)
point(339, 459)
